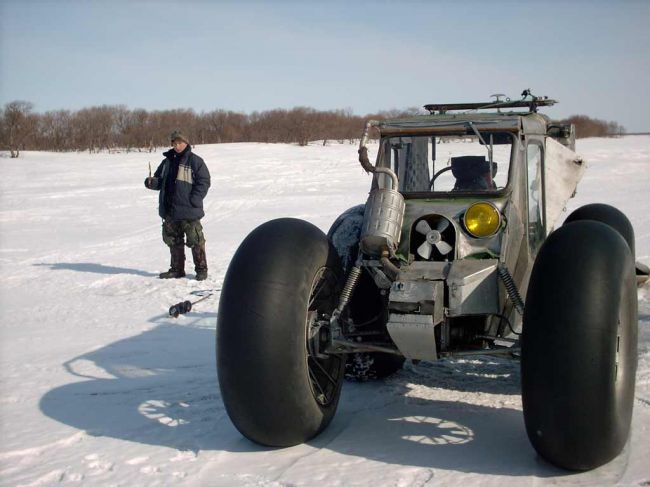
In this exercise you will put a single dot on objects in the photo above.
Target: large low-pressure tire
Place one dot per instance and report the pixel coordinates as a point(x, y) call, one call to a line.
point(345, 233)
point(277, 390)
point(618, 221)
point(579, 346)
point(609, 215)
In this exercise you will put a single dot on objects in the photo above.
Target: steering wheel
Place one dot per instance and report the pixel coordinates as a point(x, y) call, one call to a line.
point(435, 176)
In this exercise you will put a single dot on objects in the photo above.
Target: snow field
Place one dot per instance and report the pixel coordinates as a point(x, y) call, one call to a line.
point(101, 387)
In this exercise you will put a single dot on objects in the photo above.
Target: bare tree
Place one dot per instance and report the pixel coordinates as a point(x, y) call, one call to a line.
point(17, 125)
point(109, 127)
point(54, 131)
point(593, 127)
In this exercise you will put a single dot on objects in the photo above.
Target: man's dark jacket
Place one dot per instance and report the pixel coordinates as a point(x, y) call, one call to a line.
point(183, 181)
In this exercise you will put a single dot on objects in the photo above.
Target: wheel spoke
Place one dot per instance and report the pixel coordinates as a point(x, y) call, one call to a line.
point(318, 288)
point(315, 381)
point(322, 373)
point(322, 369)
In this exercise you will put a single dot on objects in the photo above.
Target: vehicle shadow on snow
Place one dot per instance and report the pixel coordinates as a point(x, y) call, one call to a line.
point(95, 268)
point(396, 423)
point(160, 388)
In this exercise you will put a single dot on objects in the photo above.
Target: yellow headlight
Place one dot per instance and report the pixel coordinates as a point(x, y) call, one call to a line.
point(482, 219)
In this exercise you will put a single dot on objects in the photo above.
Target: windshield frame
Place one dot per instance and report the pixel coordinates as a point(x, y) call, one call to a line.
point(465, 131)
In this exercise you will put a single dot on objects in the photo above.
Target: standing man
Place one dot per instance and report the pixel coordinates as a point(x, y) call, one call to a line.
point(183, 180)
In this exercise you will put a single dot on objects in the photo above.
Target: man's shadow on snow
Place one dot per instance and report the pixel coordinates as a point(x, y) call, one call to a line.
point(160, 388)
point(95, 268)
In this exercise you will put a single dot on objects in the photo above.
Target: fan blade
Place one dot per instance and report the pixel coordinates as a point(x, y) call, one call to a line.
point(442, 225)
point(443, 247)
point(424, 250)
point(422, 227)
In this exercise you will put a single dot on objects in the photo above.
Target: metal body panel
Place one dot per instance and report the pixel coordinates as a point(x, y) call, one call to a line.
point(419, 296)
point(452, 210)
point(424, 270)
point(414, 335)
point(515, 252)
point(534, 124)
point(473, 287)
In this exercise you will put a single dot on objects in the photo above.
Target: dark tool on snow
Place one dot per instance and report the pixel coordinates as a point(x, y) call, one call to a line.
point(186, 306)
point(180, 309)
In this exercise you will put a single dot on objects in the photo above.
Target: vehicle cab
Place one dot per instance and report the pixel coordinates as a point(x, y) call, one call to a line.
point(460, 203)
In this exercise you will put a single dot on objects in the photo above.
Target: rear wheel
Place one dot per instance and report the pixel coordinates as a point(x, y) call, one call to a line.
point(608, 215)
point(579, 343)
point(345, 233)
point(282, 285)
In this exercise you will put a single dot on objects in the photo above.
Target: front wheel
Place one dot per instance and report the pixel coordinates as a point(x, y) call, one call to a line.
point(579, 343)
point(278, 386)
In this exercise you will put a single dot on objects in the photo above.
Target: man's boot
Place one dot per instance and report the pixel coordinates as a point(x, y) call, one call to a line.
point(200, 262)
point(177, 268)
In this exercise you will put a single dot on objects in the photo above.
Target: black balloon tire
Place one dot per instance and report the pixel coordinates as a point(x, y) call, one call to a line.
point(276, 392)
point(609, 215)
point(579, 346)
point(348, 225)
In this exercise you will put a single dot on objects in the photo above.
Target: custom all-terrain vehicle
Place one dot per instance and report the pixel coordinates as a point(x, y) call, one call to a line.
point(454, 253)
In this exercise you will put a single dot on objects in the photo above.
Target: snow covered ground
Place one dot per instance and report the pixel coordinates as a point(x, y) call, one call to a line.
point(100, 387)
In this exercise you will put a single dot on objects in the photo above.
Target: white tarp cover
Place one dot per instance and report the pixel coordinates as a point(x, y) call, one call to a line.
point(563, 169)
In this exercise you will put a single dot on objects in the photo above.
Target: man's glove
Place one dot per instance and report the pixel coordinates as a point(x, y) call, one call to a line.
point(151, 183)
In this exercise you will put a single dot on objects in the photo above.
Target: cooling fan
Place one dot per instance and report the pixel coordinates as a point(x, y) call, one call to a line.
point(432, 238)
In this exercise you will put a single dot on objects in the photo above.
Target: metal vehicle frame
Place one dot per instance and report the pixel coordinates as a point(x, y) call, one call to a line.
point(470, 300)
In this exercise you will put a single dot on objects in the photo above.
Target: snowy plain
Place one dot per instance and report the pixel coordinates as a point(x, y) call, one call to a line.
point(99, 386)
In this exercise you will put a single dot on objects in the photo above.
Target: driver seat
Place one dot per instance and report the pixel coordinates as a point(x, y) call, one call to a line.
point(472, 173)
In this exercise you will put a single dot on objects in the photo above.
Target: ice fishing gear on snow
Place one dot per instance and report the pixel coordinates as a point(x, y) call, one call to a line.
point(186, 306)
point(180, 309)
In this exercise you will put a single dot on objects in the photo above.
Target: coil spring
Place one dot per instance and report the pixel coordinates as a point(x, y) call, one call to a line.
point(511, 288)
point(350, 284)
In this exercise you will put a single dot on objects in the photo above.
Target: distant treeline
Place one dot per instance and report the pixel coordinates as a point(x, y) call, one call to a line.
point(117, 127)
point(593, 127)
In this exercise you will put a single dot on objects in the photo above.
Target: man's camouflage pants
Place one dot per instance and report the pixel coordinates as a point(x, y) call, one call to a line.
point(174, 233)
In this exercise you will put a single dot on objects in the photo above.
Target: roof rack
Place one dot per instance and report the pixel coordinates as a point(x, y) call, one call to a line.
point(532, 104)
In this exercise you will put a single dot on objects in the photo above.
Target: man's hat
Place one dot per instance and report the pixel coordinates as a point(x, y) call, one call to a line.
point(178, 135)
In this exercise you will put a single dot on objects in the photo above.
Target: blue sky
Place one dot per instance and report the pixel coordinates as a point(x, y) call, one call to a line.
point(593, 56)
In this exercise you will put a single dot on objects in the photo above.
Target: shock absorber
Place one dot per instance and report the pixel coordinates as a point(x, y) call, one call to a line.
point(511, 288)
point(348, 289)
